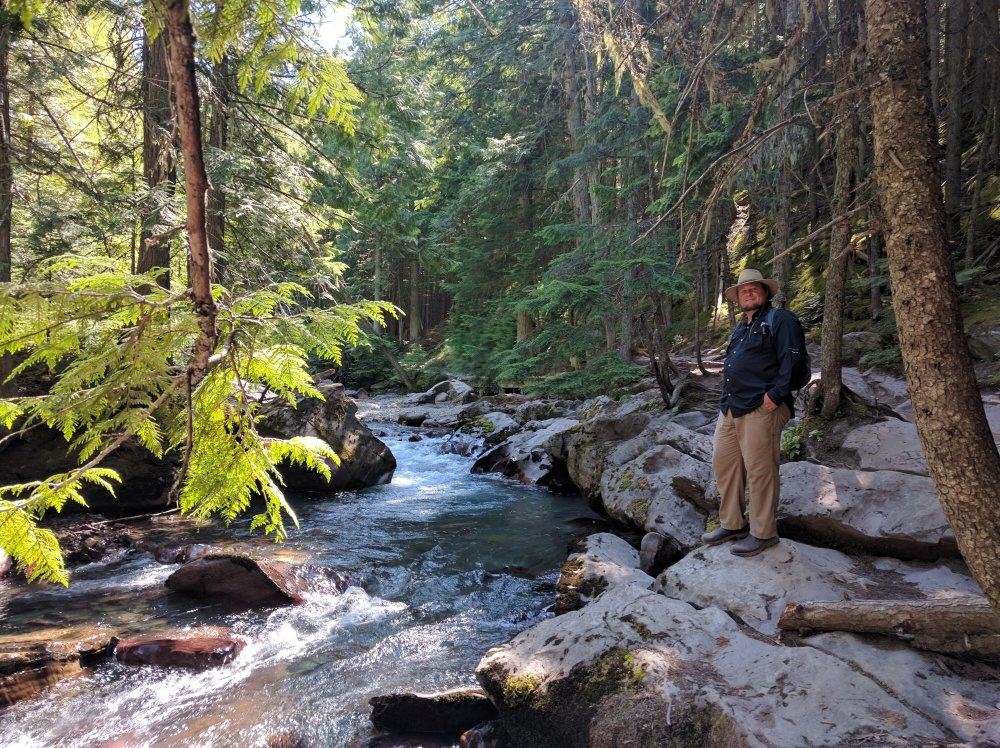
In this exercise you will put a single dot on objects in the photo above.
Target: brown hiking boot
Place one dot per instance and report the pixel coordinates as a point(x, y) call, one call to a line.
point(751, 546)
point(722, 535)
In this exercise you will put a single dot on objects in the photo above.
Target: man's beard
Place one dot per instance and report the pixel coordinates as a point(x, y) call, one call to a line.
point(754, 307)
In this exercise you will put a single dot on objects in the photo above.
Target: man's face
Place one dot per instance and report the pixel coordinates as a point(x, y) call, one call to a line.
point(752, 296)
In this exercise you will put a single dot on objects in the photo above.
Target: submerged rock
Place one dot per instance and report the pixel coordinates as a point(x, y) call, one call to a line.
point(31, 662)
point(637, 668)
point(196, 649)
point(239, 579)
point(447, 713)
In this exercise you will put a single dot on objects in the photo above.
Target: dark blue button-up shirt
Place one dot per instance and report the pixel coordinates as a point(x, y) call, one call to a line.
point(759, 360)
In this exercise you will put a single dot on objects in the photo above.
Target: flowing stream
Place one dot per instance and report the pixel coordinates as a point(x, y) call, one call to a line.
point(448, 564)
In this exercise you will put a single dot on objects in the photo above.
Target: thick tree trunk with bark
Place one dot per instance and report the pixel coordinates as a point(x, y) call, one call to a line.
point(159, 164)
point(843, 190)
point(961, 454)
point(958, 19)
point(185, 89)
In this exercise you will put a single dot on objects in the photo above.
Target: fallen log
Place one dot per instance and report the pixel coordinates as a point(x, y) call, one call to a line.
point(960, 625)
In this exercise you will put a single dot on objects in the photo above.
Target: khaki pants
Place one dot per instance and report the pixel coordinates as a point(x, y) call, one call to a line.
point(746, 453)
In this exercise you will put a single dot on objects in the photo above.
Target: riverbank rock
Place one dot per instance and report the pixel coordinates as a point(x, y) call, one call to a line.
point(605, 560)
point(450, 390)
point(195, 649)
point(94, 541)
point(42, 452)
point(448, 713)
point(6, 565)
point(758, 589)
point(650, 484)
point(364, 459)
point(31, 662)
point(528, 454)
point(542, 410)
point(637, 668)
point(883, 511)
point(888, 445)
point(239, 579)
point(495, 426)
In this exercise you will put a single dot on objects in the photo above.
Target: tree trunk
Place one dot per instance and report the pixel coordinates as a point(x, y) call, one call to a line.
point(524, 325)
point(961, 455)
point(218, 137)
point(965, 625)
point(787, 159)
point(414, 312)
point(843, 189)
point(934, 49)
point(159, 165)
point(958, 18)
point(875, 293)
point(185, 89)
point(6, 167)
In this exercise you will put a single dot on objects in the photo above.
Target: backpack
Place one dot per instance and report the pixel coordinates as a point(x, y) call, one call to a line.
point(801, 368)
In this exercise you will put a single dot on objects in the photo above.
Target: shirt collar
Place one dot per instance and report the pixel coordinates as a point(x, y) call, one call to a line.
point(760, 313)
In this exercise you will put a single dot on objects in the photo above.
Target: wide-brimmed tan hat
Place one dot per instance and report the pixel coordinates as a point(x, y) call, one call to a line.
point(751, 276)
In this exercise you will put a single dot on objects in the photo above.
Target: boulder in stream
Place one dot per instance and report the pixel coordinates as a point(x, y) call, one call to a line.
point(447, 713)
point(195, 649)
point(364, 459)
point(449, 390)
point(239, 579)
point(31, 662)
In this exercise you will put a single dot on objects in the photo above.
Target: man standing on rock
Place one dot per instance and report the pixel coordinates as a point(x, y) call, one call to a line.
point(765, 358)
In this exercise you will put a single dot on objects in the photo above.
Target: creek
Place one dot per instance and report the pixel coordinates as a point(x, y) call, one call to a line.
point(447, 565)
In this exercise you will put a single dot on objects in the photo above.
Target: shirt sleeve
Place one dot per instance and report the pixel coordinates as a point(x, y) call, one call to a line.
point(786, 332)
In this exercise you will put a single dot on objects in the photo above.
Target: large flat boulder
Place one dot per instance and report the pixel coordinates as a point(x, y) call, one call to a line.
point(637, 668)
point(895, 445)
point(364, 459)
point(888, 445)
point(31, 662)
point(963, 698)
point(883, 512)
point(758, 589)
point(603, 561)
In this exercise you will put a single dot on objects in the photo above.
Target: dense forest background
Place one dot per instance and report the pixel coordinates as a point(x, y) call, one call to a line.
point(549, 190)
point(200, 206)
